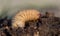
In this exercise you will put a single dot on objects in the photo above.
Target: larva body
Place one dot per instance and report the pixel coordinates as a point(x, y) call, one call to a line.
point(20, 18)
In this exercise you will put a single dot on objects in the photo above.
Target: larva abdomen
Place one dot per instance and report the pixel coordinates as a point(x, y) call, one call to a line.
point(24, 16)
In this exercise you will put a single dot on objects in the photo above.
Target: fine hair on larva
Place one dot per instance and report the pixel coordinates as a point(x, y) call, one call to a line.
point(22, 16)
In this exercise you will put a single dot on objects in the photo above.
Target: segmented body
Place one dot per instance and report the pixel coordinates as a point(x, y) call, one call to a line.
point(20, 18)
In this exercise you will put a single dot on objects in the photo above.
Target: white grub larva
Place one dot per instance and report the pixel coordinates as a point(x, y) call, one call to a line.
point(20, 18)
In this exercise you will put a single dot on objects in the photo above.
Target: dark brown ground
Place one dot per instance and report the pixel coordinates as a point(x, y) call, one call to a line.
point(41, 27)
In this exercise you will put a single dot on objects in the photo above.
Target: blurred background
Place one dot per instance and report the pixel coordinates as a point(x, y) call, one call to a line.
point(10, 7)
point(44, 26)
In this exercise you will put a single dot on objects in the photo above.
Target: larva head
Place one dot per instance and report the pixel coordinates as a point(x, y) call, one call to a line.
point(21, 24)
point(14, 26)
point(18, 24)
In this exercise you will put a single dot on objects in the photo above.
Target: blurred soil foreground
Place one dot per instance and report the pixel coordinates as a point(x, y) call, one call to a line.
point(47, 25)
